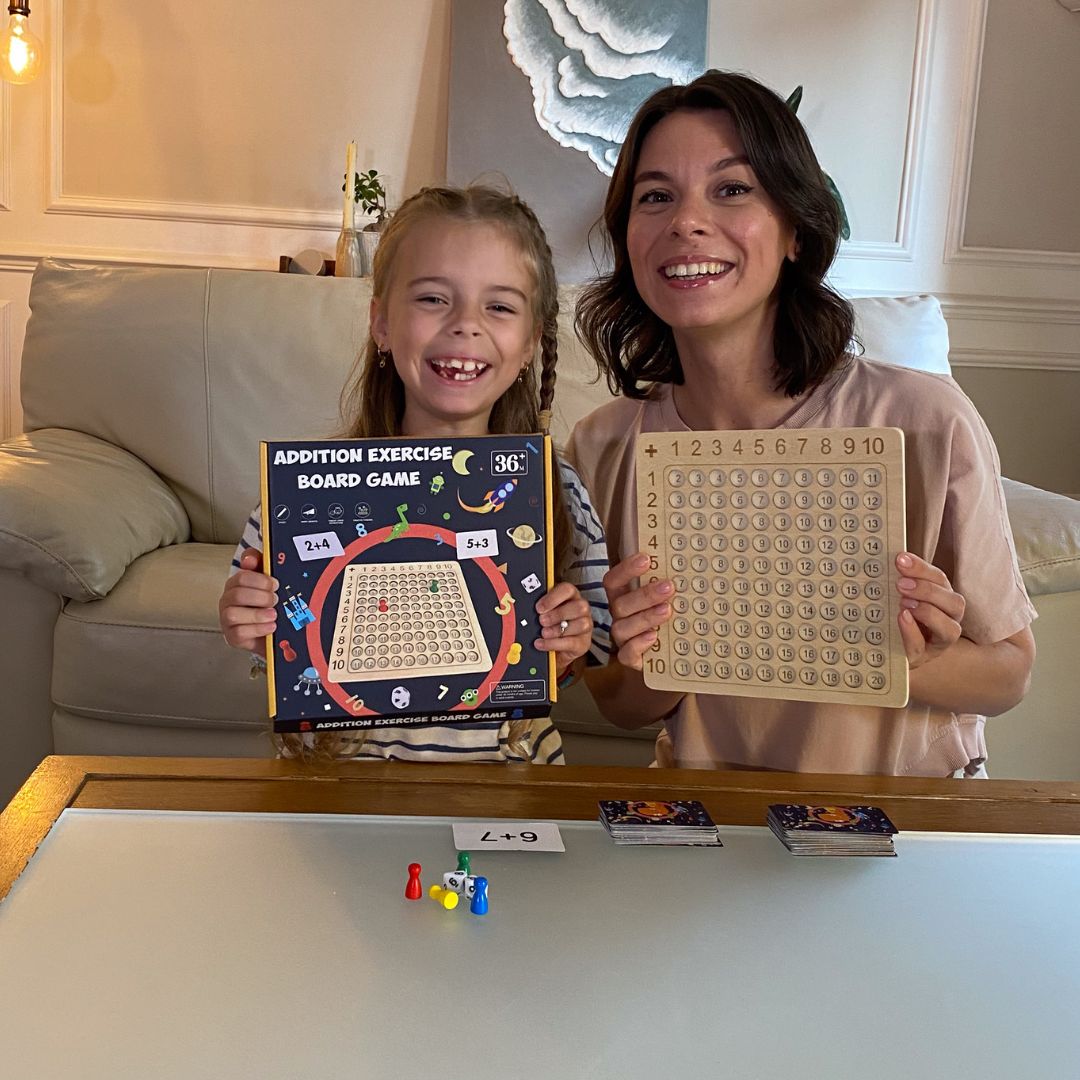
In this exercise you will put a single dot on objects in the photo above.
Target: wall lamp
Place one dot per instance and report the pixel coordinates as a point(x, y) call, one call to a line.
point(20, 50)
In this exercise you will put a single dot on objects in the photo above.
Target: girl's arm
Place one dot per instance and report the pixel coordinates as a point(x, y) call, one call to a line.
point(619, 689)
point(947, 670)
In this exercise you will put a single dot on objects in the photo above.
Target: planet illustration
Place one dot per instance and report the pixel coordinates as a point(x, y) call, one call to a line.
point(833, 815)
point(524, 536)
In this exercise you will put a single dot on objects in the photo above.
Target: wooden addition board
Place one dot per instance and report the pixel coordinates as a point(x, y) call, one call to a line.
point(782, 546)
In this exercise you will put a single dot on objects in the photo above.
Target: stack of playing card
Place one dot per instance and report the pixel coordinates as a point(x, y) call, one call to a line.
point(682, 821)
point(832, 830)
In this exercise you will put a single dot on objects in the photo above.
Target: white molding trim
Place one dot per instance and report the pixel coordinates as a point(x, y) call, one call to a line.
point(9, 388)
point(975, 357)
point(6, 151)
point(204, 213)
point(1010, 309)
point(57, 202)
point(965, 130)
point(22, 259)
point(901, 248)
point(960, 189)
point(1020, 258)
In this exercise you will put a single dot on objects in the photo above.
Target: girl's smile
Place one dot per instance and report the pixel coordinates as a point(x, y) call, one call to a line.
point(458, 368)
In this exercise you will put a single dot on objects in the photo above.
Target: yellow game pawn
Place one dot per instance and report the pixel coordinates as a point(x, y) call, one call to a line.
point(446, 897)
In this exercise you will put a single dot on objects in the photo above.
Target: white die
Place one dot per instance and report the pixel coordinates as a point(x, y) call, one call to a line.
point(454, 882)
point(531, 583)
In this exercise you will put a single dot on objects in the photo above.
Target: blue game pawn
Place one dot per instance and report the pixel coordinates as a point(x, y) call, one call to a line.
point(479, 905)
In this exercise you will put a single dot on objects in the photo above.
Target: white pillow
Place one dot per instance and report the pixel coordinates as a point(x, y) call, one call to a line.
point(906, 330)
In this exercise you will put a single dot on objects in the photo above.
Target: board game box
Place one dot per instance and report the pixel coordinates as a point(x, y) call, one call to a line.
point(408, 571)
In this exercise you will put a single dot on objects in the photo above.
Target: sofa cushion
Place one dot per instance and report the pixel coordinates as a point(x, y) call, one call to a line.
point(75, 510)
point(906, 330)
point(1046, 531)
point(151, 651)
point(205, 363)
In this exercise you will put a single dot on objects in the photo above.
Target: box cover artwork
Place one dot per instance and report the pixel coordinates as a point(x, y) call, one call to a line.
point(409, 571)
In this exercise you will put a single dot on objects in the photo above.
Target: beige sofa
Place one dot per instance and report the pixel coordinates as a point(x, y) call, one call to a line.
point(145, 394)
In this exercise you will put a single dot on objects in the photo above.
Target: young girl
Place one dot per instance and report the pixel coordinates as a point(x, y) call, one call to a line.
point(716, 316)
point(463, 293)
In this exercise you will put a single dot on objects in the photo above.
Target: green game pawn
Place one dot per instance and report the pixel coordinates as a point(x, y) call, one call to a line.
point(463, 863)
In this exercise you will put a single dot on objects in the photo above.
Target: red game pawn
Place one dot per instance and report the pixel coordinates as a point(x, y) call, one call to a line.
point(413, 889)
point(383, 606)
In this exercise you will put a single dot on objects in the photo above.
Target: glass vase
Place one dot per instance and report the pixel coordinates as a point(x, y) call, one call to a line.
point(348, 261)
point(369, 241)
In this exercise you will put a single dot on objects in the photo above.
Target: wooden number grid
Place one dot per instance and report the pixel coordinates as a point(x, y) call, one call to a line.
point(408, 619)
point(782, 546)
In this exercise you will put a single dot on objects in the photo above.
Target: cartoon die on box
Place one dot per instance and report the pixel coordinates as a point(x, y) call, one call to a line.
point(409, 571)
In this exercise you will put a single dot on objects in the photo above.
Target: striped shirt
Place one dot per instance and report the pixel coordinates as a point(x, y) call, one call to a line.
point(536, 741)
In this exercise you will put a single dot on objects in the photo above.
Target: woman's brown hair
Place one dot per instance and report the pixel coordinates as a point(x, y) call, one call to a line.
point(814, 325)
point(373, 398)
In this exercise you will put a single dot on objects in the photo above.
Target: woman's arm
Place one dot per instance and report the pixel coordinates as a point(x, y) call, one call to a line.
point(619, 688)
point(970, 678)
point(949, 671)
point(621, 695)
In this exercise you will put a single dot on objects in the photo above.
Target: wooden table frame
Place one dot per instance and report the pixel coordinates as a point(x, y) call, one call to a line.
point(493, 791)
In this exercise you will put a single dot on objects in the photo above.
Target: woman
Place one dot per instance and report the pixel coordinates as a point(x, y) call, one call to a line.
point(716, 316)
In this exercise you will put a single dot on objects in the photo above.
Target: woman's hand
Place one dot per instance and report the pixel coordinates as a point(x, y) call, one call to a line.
point(566, 622)
point(636, 612)
point(930, 610)
point(247, 609)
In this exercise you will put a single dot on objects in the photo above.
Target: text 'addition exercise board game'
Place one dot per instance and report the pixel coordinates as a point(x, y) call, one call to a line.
point(782, 546)
point(409, 571)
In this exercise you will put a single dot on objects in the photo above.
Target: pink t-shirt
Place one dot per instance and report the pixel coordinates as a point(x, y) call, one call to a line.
point(956, 520)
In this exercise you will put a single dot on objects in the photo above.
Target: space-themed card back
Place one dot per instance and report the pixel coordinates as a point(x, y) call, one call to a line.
point(408, 571)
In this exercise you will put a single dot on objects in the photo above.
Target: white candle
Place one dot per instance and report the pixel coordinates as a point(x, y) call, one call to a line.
point(350, 184)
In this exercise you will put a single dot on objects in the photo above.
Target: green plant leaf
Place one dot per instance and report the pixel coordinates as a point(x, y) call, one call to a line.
point(793, 102)
point(845, 225)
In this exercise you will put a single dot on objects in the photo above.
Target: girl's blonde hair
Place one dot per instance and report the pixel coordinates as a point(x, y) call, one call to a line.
point(373, 398)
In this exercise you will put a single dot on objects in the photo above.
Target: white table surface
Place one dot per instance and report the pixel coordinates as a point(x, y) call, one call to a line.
point(169, 945)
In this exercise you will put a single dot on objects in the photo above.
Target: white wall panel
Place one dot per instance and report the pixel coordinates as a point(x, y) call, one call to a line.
point(1025, 153)
point(240, 112)
point(191, 132)
point(855, 60)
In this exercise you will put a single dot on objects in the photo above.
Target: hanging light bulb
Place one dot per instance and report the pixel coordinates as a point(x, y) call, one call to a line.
point(20, 50)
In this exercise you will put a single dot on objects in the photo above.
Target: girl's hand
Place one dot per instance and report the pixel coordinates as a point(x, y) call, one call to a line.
point(636, 611)
point(567, 623)
point(930, 611)
point(247, 608)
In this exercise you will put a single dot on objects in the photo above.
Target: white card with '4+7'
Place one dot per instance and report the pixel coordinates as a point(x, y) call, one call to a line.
point(507, 836)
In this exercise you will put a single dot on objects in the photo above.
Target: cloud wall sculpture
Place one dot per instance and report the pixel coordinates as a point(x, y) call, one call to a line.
point(591, 63)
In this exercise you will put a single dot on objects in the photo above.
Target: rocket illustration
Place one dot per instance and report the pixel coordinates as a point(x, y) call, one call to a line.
point(494, 500)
